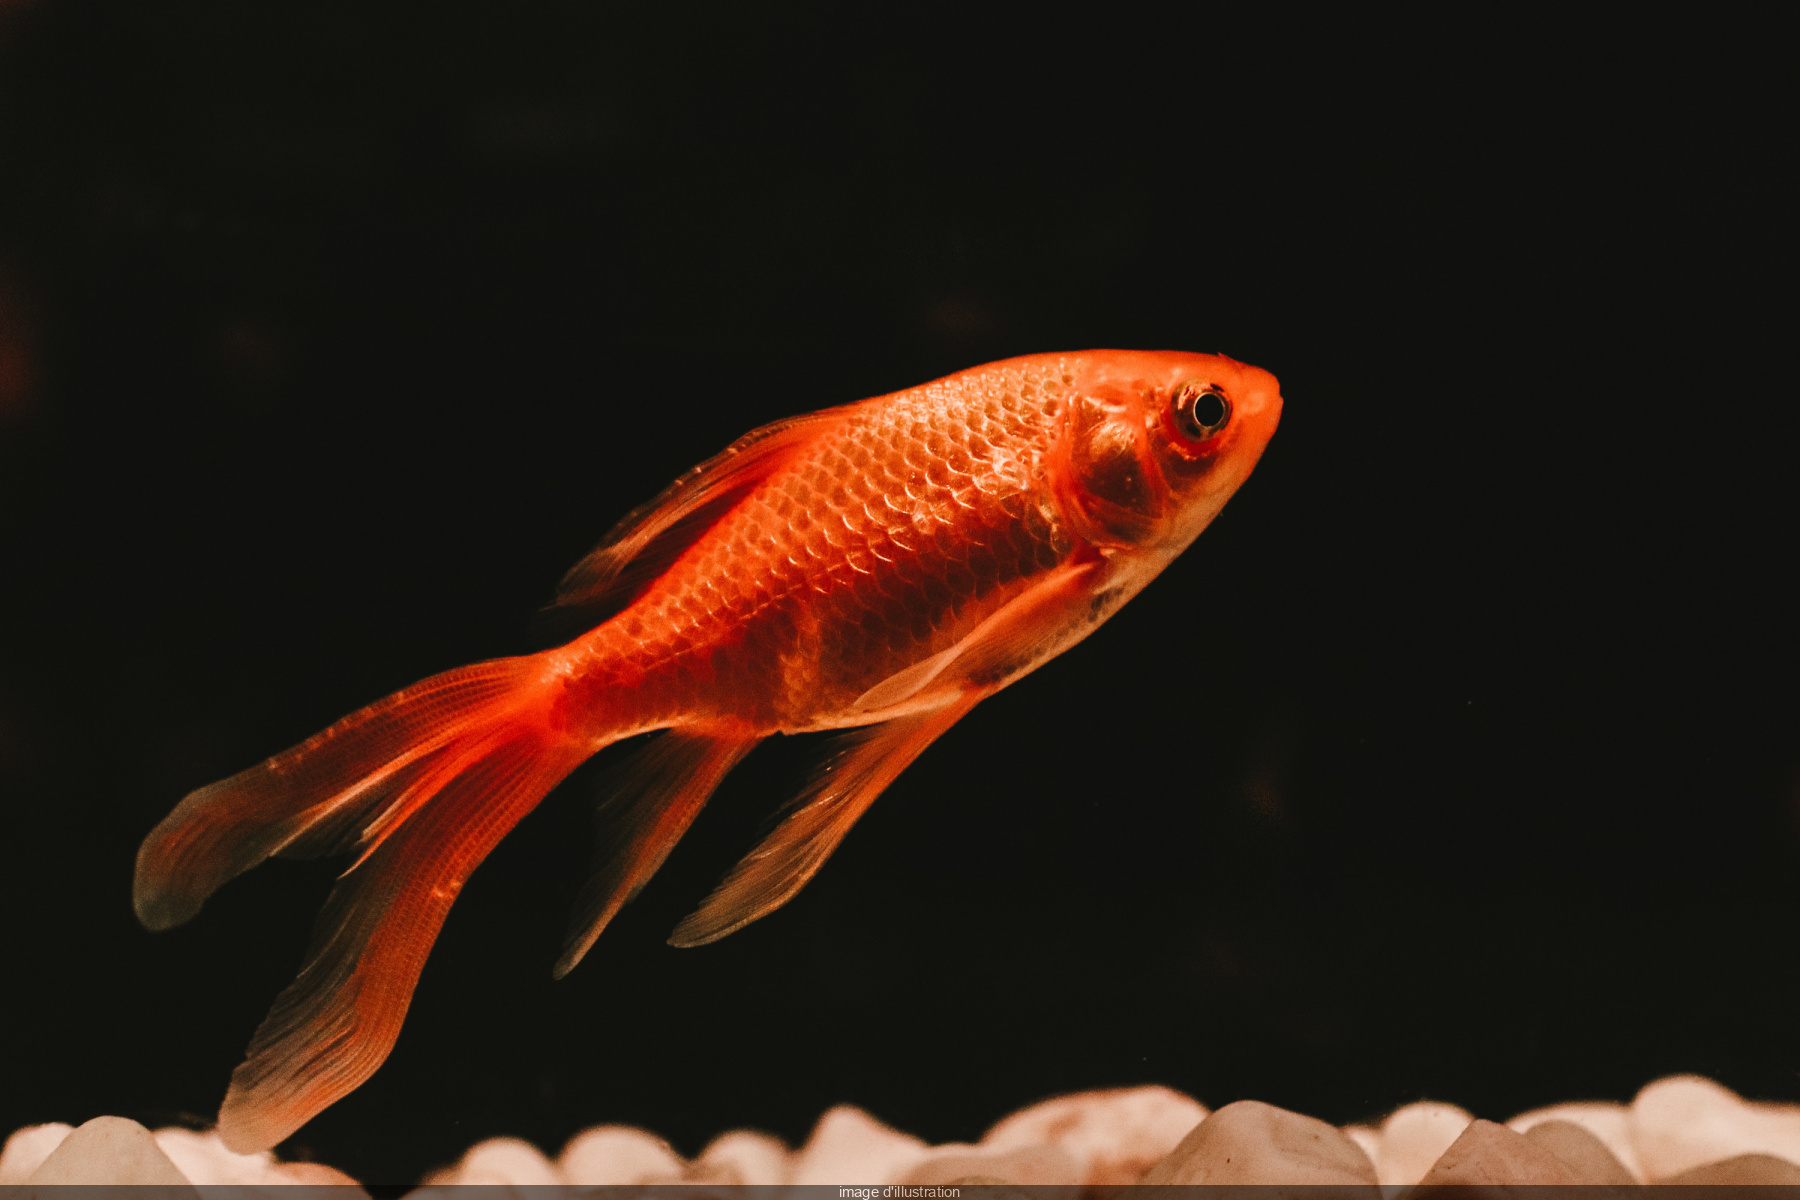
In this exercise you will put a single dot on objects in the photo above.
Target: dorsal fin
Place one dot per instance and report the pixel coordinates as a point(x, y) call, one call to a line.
point(652, 536)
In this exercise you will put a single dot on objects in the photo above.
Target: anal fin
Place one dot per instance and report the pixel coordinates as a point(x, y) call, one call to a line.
point(773, 873)
point(659, 792)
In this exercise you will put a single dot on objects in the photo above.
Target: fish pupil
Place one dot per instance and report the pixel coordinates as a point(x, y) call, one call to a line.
point(1199, 411)
point(1209, 409)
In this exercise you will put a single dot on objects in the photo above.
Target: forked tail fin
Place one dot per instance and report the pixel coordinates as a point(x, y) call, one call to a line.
point(423, 784)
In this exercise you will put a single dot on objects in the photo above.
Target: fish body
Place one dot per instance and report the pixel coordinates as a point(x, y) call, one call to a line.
point(880, 567)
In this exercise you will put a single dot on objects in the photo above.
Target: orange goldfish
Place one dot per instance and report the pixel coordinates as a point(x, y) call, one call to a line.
point(883, 566)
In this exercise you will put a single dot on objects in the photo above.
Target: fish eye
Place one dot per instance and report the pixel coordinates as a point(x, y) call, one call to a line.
point(1200, 410)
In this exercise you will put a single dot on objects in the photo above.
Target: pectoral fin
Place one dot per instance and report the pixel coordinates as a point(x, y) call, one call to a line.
point(903, 685)
point(1011, 637)
point(774, 872)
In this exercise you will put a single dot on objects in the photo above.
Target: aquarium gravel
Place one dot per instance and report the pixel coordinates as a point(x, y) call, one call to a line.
point(1683, 1129)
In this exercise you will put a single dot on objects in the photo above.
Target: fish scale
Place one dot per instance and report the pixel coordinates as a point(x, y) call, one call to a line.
point(894, 525)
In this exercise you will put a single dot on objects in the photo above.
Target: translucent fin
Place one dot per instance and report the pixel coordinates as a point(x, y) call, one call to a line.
point(336, 1023)
point(1027, 628)
point(318, 796)
point(905, 684)
point(347, 829)
point(652, 536)
point(774, 872)
point(656, 797)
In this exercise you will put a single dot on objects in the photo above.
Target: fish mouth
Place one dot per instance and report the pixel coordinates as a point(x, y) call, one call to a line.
point(1264, 405)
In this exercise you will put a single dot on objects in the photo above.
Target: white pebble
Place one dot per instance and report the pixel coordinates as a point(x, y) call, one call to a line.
point(1611, 1123)
point(1112, 1136)
point(742, 1157)
point(618, 1154)
point(1416, 1136)
point(1686, 1121)
point(27, 1149)
point(848, 1146)
point(507, 1162)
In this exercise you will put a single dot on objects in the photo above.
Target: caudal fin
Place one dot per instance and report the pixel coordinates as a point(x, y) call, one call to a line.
point(320, 796)
point(336, 1023)
point(424, 784)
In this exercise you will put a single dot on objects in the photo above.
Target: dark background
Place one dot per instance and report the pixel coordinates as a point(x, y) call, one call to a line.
point(1457, 760)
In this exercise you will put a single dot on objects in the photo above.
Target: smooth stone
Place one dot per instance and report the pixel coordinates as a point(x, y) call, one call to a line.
point(618, 1154)
point(312, 1175)
point(1610, 1123)
point(1113, 1135)
point(1686, 1121)
point(743, 1158)
point(1753, 1169)
point(1040, 1166)
point(205, 1159)
point(1416, 1136)
point(27, 1148)
point(1493, 1155)
point(1250, 1142)
point(1367, 1140)
point(503, 1162)
point(850, 1147)
point(1585, 1155)
point(111, 1150)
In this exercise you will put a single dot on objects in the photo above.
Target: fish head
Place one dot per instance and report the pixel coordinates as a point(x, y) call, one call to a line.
point(1155, 442)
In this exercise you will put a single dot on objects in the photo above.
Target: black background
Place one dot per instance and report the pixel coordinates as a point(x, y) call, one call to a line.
point(1457, 759)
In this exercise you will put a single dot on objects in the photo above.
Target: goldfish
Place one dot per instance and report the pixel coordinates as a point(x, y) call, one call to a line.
point(878, 568)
